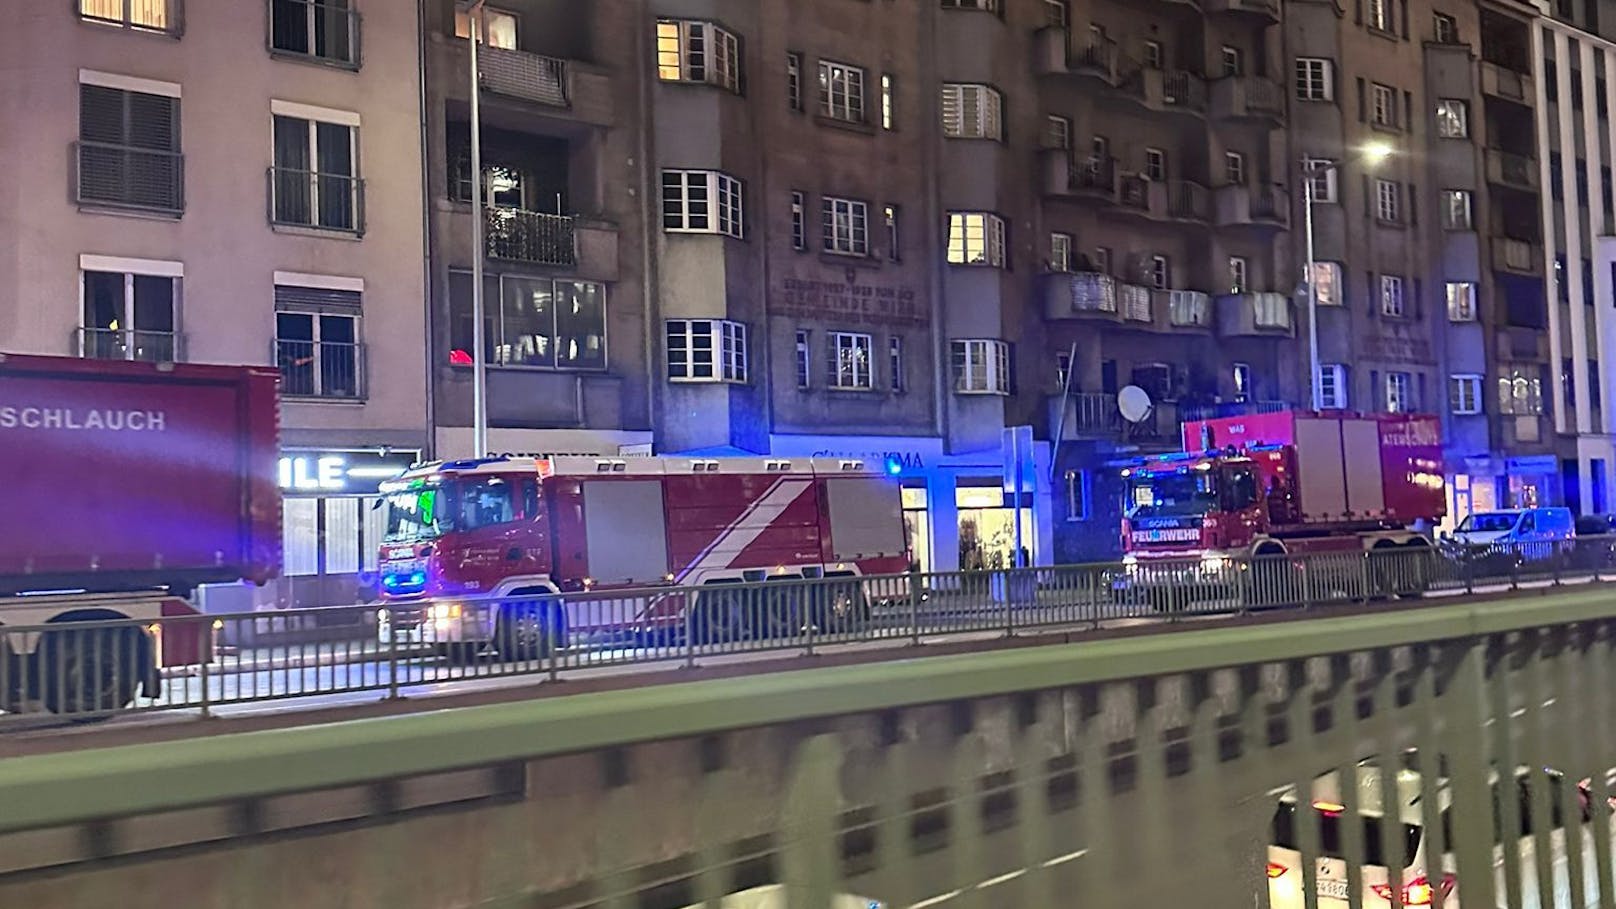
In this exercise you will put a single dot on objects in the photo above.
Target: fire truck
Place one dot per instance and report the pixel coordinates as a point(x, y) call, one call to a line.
point(524, 554)
point(1282, 483)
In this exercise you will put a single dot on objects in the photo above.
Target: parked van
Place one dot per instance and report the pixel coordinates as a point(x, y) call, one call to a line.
point(1528, 534)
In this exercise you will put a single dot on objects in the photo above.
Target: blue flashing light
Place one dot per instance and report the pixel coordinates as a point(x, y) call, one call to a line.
point(894, 466)
point(390, 581)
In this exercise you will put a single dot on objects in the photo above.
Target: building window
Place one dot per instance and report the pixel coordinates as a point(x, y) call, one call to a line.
point(1242, 382)
point(145, 15)
point(531, 322)
point(1386, 201)
point(895, 363)
point(131, 315)
point(894, 248)
point(986, 6)
point(1399, 392)
point(849, 360)
point(846, 227)
point(1315, 79)
point(316, 181)
point(799, 224)
point(1102, 259)
point(1456, 210)
point(498, 27)
point(706, 350)
point(1077, 495)
point(1234, 62)
point(887, 91)
point(841, 91)
point(794, 80)
point(1057, 132)
point(1234, 168)
point(1379, 17)
point(1060, 252)
point(1383, 111)
point(1327, 282)
point(1464, 394)
point(1520, 392)
point(976, 238)
point(981, 366)
point(691, 51)
point(971, 111)
point(1391, 296)
point(1063, 370)
point(1153, 55)
point(129, 149)
point(1321, 179)
point(1056, 15)
point(689, 198)
point(317, 343)
point(1452, 119)
point(326, 30)
point(1461, 297)
point(1333, 386)
point(804, 362)
point(1238, 271)
point(1155, 164)
point(1444, 28)
point(1161, 272)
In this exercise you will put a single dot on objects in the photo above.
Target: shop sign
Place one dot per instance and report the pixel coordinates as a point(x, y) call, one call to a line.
point(1532, 464)
point(909, 455)
point(341, 472)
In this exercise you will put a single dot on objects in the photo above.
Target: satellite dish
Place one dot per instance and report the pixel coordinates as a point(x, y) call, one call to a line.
point(1134, 403)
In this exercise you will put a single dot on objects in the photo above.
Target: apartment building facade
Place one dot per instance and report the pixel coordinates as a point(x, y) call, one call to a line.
point(231, 183)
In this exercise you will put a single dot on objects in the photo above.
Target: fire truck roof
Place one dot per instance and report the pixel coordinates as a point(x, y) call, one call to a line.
point(580, 465)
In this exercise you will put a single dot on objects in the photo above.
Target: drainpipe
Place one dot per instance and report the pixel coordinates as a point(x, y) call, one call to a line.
point(426, 233)
point(643, 51)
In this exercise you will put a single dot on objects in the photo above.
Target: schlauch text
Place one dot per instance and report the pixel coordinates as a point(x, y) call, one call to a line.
point(79, 420)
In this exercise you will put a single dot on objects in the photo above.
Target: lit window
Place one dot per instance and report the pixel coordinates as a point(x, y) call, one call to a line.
point(1464, 394)
point(894, 249)
point(1461, 301)
point(1452, 119)
point(849, 360)
point(1391, 296)
point(1060, 252)
point(1399, 392)
point(1456, 209)
point(692, 51)
point(886, 101)
point(1238, 268)
point(1327, 281)
point(1520, 392)
point(146, 15)
point(976, 238)
point(1333, 386)
point(841, 91)
point(1378, 15)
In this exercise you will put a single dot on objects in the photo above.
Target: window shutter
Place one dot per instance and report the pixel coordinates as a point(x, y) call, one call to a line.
point(953, 109)
point(292, 296)
point(101, 116)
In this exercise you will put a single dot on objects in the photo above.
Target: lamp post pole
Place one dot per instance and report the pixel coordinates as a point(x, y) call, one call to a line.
point(1309, 169)
point(479, 358)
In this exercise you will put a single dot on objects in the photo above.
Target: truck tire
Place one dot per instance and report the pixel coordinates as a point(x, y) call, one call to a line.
point(90, 672)
point(530, 630)
point(720, 614)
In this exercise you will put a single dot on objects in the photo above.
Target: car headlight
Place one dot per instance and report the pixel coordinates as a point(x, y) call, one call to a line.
point(1213, 563)
point(445, 612)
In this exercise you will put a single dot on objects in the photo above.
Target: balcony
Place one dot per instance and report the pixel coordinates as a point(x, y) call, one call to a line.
point(1093, 415)
point(532, 237)
point(1051, 50)
point(1185, 308)
point(1265, 10)
point(1079, 295)
point(321, 369)
point(517, 80)
point(1254, 315)
point(1173, 200)
point(122, 344)
point(1097, 60)
point(119, 176)
point(1248, 98)
point(317, 201)
point(1512, 170)
point(1094, 178)
point(1165, 90)
point(1520, 256)
point(1134, 303)
point(1266, 206)
point(1502, 82)
point(519, 74)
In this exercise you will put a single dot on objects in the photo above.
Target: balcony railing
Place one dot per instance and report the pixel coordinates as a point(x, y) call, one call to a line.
point(1516, 255)
point(321, 369)
point(529, 236)
point(1270, 203)
point(519, 74)
point(1511, 169)
point(302, 198)
point(1133, 191)
point(124, 177)
point(317, 29)
point(1188, 308)
point(1134, 301)
point(1094, 175)
point(1097, 58)
point(1188, 201)
point(1188, 412)
point(1271, 310)
point(121, 344)
point(1183, 90)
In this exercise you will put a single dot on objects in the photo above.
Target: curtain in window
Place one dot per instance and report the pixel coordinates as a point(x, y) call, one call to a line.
point(334, 146)
point(294, 185)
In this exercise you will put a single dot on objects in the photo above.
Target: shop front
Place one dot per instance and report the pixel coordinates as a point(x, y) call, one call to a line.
point(330, 526)
point(456, 442)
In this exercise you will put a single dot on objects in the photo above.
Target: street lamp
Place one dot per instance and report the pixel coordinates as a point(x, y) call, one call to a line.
point(479, 360)
point(1373, 154)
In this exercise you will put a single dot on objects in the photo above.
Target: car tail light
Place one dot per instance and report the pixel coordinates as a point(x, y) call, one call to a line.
point(1275, 869)
point(1417, 892)
point(1331, 809)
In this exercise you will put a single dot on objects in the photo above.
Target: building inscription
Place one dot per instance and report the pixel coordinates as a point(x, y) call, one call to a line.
point(868, 304)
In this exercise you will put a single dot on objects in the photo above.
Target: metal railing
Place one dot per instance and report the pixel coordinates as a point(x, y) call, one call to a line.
point(207, 662)
point(127, 177)
point(1188, 201)
point(317, 29)
point(322, 201)
point(1183, 90)
point(1134, 301)
point(1188, 412)
point(529, 236)
point(1094, 174)
point(1270, 203)
point(519, 74)
point(121, 344)
point(321, 369)
point(1187, 308)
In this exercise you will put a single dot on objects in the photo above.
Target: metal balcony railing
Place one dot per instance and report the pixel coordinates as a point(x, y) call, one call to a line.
point(1094, 174)
point(519, 74)
point(1270, 203)
point(127, 177)
point(1183, 90)
point(321, 369)
point(1134, 301)
point(121, 344)
point(529, 236)
point(1092, 292)
point(1133, 191)
point(1188, 201)
point(1188, 308)
point(318, 29)
point(1270, 310)
point(302, 198)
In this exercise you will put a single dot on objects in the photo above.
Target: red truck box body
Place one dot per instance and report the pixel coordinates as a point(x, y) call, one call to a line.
point(1350, 467)
point(126, 476)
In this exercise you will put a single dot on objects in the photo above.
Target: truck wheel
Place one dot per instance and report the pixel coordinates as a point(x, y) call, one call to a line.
point(720, 615)
point(840, 609)
point(530, 631)
point(90, 670)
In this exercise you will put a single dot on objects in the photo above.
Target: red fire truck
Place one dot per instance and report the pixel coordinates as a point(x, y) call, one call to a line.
point(1288, 482)
point(525, 550)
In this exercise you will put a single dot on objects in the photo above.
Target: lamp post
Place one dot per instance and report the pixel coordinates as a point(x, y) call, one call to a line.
point(479, 360)
point(1311, 168)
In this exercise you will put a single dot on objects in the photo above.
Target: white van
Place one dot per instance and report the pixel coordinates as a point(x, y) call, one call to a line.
point(1527, 534)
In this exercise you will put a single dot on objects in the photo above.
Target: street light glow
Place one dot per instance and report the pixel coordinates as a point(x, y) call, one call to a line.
point(1376, 152)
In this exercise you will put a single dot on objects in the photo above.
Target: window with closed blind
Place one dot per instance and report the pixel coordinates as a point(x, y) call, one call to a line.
point(972, 111)
point(317, 342)
point(129, 149)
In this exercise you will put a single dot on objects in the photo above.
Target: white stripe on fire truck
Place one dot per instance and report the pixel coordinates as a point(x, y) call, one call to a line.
point(741, 532)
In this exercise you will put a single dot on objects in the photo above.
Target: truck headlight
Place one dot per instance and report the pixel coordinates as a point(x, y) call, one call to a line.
point(1212, 563)
point(445, 612)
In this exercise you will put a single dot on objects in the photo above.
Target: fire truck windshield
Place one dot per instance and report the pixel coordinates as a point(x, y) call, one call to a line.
point(430, 512)
point(1189, 493)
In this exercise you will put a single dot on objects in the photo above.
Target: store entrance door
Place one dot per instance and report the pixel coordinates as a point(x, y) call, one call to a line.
point(987, 529)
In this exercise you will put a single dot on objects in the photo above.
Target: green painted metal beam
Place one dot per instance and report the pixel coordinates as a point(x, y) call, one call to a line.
point(52, 790)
